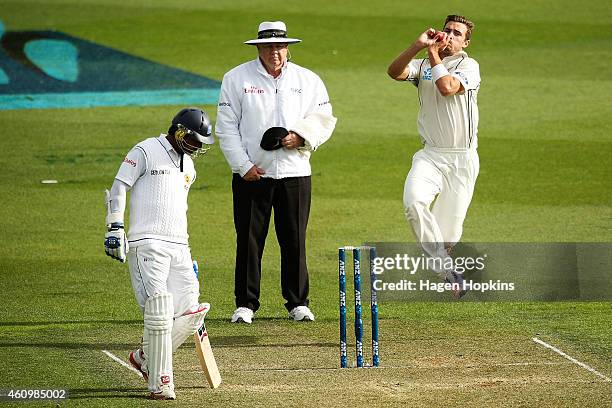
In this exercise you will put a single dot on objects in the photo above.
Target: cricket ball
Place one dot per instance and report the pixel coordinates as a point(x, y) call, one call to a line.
point(439, 36)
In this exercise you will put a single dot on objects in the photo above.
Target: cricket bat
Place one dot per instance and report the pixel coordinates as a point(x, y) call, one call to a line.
point(206, 357)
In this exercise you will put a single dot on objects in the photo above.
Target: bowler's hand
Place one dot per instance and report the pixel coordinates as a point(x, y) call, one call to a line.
point(292, 141)
point(439, 42)
point(426, 38)
point(254, 173)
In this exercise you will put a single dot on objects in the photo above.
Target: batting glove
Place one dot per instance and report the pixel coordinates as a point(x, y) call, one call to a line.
point(115, 242)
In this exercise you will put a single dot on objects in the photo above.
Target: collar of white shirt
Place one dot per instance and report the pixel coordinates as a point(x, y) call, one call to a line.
point(460, 54)
point(262, 70)
point(173, 153)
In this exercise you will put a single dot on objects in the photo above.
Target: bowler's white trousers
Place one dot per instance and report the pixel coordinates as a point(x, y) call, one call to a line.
point(162, 267)
point(447, 176)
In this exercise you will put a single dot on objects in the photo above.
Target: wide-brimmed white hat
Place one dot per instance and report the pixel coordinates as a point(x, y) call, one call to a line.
point(272, 32)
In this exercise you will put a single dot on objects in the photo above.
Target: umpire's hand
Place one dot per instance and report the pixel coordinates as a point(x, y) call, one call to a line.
point(254, 173)
point(292, 141)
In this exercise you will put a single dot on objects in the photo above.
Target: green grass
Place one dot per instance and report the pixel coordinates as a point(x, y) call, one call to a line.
point(545, 144)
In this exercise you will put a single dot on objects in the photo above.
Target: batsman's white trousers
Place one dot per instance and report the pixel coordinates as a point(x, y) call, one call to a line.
point(447, 176)
point(159, 267)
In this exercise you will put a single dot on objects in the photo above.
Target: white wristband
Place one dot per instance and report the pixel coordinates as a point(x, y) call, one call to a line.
point(438, 72)
point(114, 217)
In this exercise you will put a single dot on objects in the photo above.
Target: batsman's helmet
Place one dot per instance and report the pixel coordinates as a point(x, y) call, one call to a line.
point(195, 122)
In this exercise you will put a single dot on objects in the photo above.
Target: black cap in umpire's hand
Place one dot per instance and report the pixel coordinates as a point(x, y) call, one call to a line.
point(271, 139)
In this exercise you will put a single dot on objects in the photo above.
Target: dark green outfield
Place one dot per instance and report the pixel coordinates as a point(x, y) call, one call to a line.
point(545, 143)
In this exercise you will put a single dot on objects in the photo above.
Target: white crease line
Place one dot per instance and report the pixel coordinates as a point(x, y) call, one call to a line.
point(123, 363)
point(572, 359)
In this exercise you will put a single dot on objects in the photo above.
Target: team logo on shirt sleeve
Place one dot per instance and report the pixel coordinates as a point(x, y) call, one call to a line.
point(427, 74)
point(130, 161)
point(462, 76)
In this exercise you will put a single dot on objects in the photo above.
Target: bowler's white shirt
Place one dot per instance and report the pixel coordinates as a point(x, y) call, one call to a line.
point(158, 202)
point(252, 101)
point(447, 121)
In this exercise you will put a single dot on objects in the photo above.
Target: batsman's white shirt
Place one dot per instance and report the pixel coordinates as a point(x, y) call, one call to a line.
point(447, 121)
point(252, 101)
point(159, 189)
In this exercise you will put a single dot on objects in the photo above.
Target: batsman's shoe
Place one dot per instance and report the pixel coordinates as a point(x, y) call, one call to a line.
point(166, 393)
point(456, 280)
point(301, 314)
point(243, 315)
point(138, 362)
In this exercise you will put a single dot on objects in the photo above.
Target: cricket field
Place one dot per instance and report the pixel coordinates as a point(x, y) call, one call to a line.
point(545, 142)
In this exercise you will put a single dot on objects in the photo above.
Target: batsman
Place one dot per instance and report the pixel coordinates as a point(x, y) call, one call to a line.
point(159, 172)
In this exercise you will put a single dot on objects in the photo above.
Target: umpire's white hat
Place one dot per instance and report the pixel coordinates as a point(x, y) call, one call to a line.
point(272, 32)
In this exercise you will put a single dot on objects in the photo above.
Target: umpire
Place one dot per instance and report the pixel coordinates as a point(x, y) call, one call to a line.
point(289, 104)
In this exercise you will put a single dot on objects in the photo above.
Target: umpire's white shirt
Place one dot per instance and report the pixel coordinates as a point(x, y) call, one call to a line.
point(252, 101)
point(158, 202)
point(447, 121)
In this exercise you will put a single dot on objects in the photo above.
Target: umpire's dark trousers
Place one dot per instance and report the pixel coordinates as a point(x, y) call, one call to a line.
point(253, 204)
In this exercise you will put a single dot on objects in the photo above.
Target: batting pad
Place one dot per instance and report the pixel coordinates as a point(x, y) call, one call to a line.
point(158, 315)
point(187, 324)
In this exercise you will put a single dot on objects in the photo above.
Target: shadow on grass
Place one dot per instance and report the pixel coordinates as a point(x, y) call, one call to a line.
point(89, 393)
point(254, 341)
point(127, 322)
point(118, 392)
point(68, 322)
point(218, 341)
point(73, 346)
